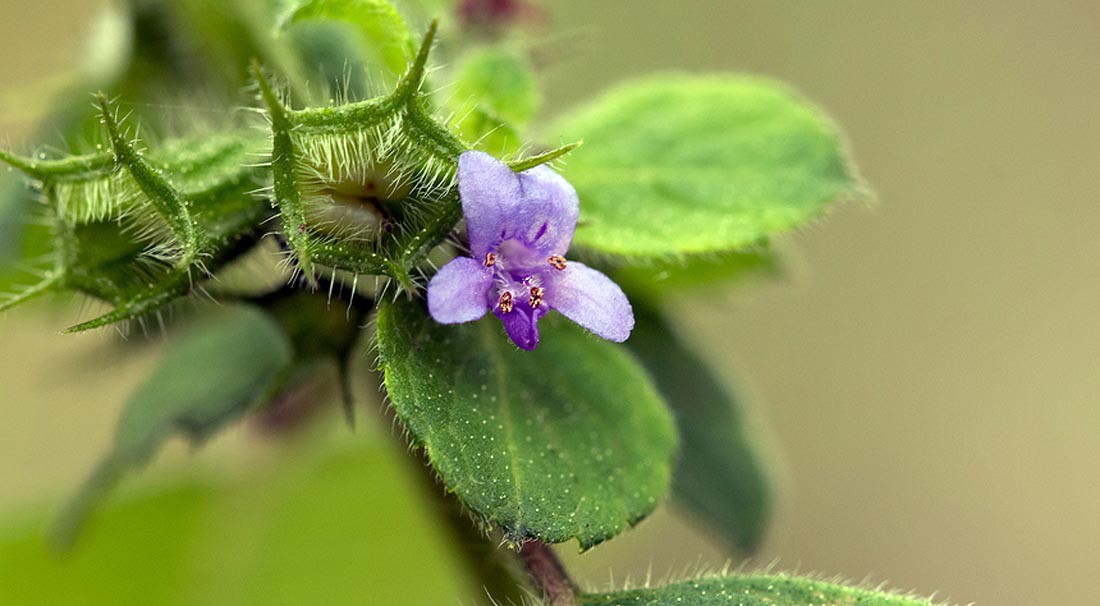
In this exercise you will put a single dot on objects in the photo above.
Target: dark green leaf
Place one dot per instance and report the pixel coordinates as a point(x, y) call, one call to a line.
point(24, 237)
point(213, 375)
point(700, 164)
point(778, 590)
point(568, 441)
point(719, 477)
point(660, 277)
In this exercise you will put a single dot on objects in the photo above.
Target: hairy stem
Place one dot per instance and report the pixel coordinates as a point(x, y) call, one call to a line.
point(548, 573)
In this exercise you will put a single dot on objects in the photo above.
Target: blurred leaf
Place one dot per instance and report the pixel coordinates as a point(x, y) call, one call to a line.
point(137, 553)
point(777, 590)
point(347, 527)
point(660, 277)
point(568, 441)
point(719, 477)
point(24, 236)
point(681, 164)
point(213, 375)
point(319, 525)
point(495, 93)
point(320, 331)
point(382, 30)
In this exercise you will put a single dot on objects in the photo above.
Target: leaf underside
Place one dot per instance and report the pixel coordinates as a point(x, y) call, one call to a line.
point(568, 441)
point(719, 477)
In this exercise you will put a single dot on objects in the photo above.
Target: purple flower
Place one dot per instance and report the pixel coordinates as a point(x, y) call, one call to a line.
point(520, 227)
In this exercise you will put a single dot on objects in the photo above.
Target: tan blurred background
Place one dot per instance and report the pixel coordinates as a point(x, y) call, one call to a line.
point(929, 374)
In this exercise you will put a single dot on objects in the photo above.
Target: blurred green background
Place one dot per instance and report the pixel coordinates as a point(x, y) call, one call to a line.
point(926, 375)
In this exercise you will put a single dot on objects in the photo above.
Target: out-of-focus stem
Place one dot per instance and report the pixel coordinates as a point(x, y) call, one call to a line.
point(549, 575)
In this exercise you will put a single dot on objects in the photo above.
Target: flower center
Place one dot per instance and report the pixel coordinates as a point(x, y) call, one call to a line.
point(520, 274)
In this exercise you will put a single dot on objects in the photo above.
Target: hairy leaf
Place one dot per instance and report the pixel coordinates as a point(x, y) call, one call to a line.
point(680, 164)
point(210, 377)
point(568, 441)
point(719, 476)
point(764, 590)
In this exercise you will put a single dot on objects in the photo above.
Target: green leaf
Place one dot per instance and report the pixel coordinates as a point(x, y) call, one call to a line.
point(213, 375)
point(720, 477)
point(24, 236)
point(679, 164)
point(321, 523)
point(495, 94)
point(764, 590)
point(568, 441)
point(382, 31)
point(661, 277)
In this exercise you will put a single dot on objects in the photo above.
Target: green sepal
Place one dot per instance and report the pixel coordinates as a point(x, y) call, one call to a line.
point(118, 217)
point(168, 202)
point(386, 154)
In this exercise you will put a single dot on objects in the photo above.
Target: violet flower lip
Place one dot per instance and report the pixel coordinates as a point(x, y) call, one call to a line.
point(520, 226)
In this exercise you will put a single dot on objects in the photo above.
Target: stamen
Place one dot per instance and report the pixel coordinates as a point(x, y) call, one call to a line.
point(558, 262)
point(506, 301)
point(490, 259)
point(536, 297)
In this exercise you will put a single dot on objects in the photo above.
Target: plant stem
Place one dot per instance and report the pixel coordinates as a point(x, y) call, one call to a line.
point(499, 576)
point(549, 575)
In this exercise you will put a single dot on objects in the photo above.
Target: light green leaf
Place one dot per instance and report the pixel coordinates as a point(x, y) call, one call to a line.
point(213, 375)
point(495, 94)
point(381, 28)
point(679, 164)
point(322, 523)
point(719, 477)
point(568, 441)
point(769, 590)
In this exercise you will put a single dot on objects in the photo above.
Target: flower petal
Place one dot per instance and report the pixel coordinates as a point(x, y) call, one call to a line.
point(592, 300)
point(551, 209)
point(457, 293)
point(491, 199)
point(522, 325)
